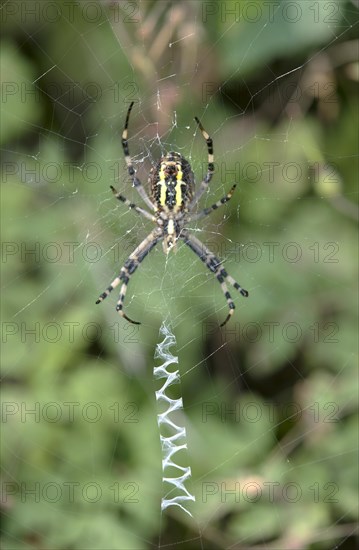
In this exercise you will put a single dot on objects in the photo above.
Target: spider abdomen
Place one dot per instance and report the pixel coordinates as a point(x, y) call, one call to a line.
point(172, 182)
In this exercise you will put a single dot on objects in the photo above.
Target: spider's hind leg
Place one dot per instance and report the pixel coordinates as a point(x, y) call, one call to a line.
point(214, 264)
point(129, 267)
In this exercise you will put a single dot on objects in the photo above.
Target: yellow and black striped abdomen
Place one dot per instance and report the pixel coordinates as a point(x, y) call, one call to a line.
point(172, 182)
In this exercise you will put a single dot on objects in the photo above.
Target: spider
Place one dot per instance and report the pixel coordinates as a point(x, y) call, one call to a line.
point(172, 200)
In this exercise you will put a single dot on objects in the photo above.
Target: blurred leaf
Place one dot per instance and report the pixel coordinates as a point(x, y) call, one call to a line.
point(21, 105)
point(265, 31)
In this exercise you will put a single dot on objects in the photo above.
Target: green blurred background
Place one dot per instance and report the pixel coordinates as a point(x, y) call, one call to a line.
point(271, 400)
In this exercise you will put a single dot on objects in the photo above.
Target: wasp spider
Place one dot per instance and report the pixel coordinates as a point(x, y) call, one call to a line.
point(172, 200)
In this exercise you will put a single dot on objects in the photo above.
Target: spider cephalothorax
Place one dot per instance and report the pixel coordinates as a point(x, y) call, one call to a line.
point(171, 200)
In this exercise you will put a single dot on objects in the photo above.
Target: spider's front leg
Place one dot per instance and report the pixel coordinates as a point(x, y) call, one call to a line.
point(132, 172)
point(129, 267)
point(210, 166)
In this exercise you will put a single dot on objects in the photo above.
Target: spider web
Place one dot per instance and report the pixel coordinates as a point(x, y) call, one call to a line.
point(68, 166)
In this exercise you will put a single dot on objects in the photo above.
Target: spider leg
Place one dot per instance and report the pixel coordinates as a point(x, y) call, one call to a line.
point(214, 206)
point(136, 182)
point(132, 205)
point(210, 168)
point(214, 264)
point(129, 267)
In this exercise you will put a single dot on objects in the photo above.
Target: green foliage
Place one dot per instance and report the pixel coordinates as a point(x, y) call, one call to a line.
point(17, 77)
point(271, 400)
